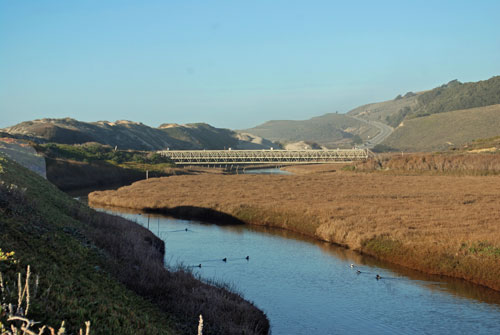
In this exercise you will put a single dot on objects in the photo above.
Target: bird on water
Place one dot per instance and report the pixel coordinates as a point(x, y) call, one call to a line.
point(378, 277)
point(224, 259)
point(247, 258)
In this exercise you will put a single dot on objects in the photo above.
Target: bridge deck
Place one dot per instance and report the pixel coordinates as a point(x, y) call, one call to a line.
point(207, 157)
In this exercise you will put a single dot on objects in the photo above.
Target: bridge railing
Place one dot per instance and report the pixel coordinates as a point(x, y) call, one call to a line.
point(207, 157)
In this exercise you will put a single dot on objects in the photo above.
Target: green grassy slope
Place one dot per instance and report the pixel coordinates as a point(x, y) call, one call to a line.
point(105, 269)
point(445, 130)
point(36, 223)
point(329, 130)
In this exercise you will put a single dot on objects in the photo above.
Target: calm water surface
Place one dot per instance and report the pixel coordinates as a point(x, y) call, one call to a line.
point(308, 287)
point(267, 171)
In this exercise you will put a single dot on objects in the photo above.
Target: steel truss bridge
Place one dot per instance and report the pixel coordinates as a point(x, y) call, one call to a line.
point(241, 157)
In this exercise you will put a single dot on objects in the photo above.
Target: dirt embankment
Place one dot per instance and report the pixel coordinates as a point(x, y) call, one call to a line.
point(21, 152)
point(437, 224)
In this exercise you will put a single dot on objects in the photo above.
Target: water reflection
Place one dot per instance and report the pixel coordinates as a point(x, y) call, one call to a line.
point(307, 286)
point(451, 285)
point(267, 171)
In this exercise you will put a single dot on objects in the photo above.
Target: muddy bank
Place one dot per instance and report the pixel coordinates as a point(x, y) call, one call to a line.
point(443, 225)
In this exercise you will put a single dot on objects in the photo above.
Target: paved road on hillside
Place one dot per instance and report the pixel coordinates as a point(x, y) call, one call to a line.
point(384, 132)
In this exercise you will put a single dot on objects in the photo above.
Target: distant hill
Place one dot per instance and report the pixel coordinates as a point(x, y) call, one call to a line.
point(200, 135)
point(134, 135)
point(413, 115)
point(330, 130)
point(465, 108)
point(446, 130)
point(446, 98)
point(204, 136)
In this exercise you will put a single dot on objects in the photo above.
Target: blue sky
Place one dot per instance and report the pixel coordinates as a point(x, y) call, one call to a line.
point(232, 63)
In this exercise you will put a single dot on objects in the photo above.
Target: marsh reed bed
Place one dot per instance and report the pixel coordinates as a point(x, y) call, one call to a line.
point(441, 224)
point(458, 164)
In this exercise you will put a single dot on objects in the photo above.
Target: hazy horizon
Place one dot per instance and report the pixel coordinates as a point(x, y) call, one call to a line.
point(232, 64)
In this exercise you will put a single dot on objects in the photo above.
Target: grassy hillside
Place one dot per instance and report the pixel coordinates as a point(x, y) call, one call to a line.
point(483, 145)
point(445, 98)
point(102, 268)
point(456, 96)
point(420, 130)
point(443, 131)
point(201, 135)
point(330, 130)
point(391, 112)
point(36, 223)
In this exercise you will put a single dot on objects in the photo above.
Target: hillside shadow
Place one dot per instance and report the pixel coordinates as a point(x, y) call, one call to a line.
point(206, 215)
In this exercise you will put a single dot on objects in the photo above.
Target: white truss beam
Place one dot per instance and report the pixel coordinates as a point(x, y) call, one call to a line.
point(216, 157)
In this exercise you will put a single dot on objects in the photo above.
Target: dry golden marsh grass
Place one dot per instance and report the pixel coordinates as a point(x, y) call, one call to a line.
point(440, 224)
